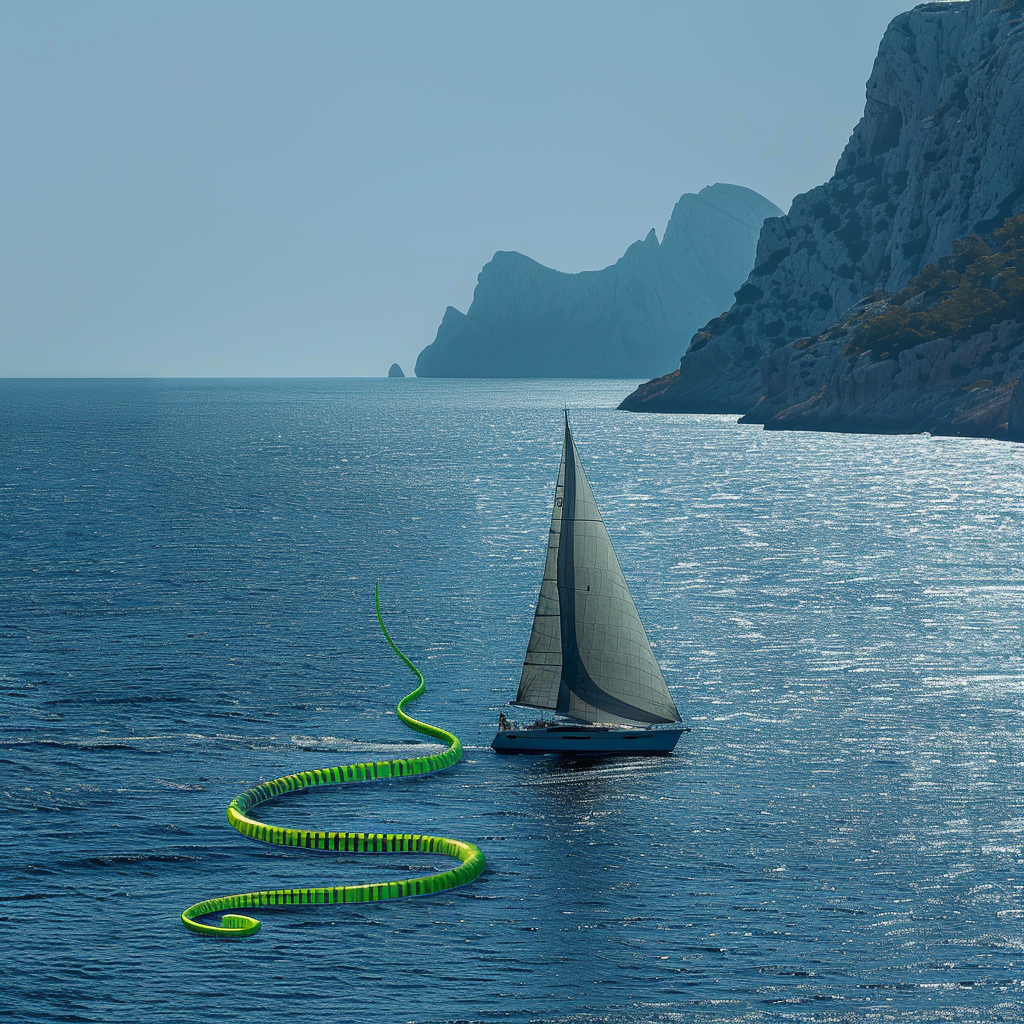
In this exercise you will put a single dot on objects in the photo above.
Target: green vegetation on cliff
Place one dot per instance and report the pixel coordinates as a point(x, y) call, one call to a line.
point(979, 284)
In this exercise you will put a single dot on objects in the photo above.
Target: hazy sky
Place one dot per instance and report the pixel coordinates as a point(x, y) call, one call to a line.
point(300, 188)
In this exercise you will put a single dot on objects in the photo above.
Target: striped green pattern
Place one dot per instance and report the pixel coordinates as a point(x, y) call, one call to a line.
point(234, 925)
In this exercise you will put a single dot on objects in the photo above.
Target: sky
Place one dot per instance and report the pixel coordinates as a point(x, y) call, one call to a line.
point(298, 189)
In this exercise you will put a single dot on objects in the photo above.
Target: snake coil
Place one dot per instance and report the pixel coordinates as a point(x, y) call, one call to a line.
point(234, 925)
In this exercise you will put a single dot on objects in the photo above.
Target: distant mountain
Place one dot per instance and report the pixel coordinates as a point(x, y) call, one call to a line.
point(937, 157)
point(627, 320)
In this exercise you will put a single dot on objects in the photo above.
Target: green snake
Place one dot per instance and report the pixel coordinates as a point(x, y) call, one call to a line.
point(234, 925)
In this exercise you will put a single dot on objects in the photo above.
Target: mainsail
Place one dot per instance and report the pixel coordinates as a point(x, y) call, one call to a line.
point(589, 656)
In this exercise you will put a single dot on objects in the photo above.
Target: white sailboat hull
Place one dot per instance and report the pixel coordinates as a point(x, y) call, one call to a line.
point(586, 739)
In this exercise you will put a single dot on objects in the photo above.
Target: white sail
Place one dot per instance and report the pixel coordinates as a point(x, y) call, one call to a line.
point(589, 656)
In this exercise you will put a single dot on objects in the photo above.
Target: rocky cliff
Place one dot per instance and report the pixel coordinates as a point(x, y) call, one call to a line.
point(938, 155)
point(945, 354)
point(627, 320)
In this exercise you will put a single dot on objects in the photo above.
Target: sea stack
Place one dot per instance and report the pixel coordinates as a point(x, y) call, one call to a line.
point(395, 371)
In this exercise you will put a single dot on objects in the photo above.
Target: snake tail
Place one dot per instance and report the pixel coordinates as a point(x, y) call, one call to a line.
point(471, 860)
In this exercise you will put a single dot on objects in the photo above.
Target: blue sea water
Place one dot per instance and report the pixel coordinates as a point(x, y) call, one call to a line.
point(187, 608)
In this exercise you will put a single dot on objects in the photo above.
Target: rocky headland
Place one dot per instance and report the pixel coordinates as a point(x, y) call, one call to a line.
point(931, 174)
point(627, 320)
point(945, 354)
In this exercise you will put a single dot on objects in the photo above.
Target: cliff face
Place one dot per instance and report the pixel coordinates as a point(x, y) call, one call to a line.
point(945, 354)
point(937, 155)
point(627, 320)
point(962, 389)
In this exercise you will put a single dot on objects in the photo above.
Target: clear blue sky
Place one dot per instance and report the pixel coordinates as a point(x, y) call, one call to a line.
point(246, 188)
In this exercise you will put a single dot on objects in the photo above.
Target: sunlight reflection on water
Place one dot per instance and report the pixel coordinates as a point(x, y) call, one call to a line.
point(187, 608)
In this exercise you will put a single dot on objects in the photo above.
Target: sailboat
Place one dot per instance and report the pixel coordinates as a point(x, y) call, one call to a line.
point(589, 659)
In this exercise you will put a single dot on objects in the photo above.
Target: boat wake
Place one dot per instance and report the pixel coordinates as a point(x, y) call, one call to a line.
point(234, 925)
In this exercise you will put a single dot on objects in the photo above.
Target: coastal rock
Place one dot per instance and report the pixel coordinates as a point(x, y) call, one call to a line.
point(1015, 413)
point(934, 387)
point(943, 355)
point(627, 320)
point(936, 156)
point(395, 371)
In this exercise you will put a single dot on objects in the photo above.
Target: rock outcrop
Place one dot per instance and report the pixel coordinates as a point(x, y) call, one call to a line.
point(938, 154)
point(945, 354)
point(627, 320)
point(395, 371)
point(921, 389)
point(1015, 413)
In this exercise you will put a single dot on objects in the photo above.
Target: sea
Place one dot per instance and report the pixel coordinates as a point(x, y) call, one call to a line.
point(187, 571)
